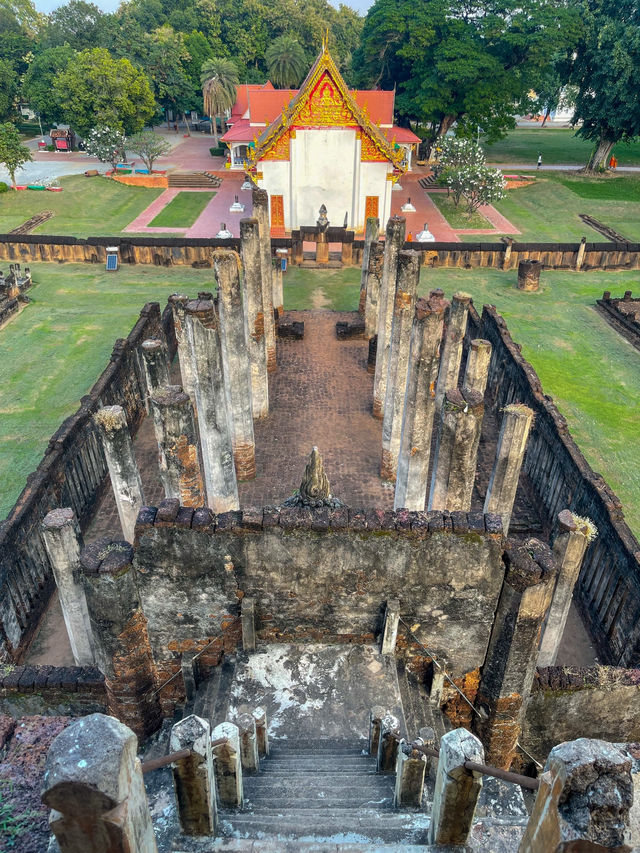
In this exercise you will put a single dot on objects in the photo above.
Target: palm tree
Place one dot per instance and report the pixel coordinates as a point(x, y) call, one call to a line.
point(219, 78)
point(286, 61)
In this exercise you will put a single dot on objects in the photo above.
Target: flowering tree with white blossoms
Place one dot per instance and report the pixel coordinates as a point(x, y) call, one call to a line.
point(107, 144)
point(454, 152)
point(464, 173)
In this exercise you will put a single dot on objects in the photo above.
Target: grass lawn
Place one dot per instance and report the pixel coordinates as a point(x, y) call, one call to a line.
point(592, 373)
point(547, 211)
point(183, 210)
point(86, 207)
point(558, 146)
point(457, 216)
point(55, 349)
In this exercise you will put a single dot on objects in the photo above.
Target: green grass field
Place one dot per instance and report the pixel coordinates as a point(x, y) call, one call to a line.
point(547, 211)
point(558, 146)
point(592, 373)
point(457, 216)
point(55, 349)
point(85, 207)
point(52, 352)
point(183, 210)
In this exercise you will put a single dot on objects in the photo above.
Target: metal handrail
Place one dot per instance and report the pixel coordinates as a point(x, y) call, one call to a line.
point(157, 763)
point(486, 769)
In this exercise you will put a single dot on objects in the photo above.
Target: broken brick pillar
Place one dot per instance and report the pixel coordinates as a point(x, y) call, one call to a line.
point(228, 765)
point(529, 274)
point(214, 423)
point(178, 304)
point(403, 310)
point(452, 346)
point(63, 542)
point(512, 444)
point(374, 277)
point(583, 802)
point(372, 230)
point(193, 777)
point(456, 459)
point(573, 535)
point(94, 785)
point(510, 662)
point(278, 289)
point(477, 370)
point(236, 362)
point(156, 364)
point(123, 468)
point(177, 439)
point(260, 199)
point(252, 291)
point(419, 409)
point(123, 651)
point(394, 241)
point(457, 789)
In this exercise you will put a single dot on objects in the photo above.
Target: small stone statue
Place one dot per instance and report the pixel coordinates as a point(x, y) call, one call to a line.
point(322, 221)
point(314, 488)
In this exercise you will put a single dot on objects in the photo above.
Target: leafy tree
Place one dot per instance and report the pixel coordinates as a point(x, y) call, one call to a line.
point(16, 42)
point(13, 154)
point(164, 62)
point(24, 11)
point(8, 89)
point(97, 89)
point(219, 79)
point(286, 62)
point(37, 85)
point(478, 185)
point(148, 146)
point(607, 74)
point(464, 62)
point(76, 23)
point(552, 89)
point(454, 152)
point(106, 143)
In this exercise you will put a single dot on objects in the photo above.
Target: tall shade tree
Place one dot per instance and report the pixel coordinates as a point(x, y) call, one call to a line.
point(13, 154)
point(76, 23)
point(37, 85)
point(8, 89)
point(464, 62)
point(607, 73)
point(286, 62)
point(219, 78)
point(96, 89)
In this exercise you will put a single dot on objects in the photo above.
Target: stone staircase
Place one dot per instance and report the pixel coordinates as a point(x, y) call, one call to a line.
point(191, 180)
point(429, 182)
point(322, 791)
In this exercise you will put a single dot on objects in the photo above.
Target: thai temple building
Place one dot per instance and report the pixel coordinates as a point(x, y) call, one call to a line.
point(320, 144)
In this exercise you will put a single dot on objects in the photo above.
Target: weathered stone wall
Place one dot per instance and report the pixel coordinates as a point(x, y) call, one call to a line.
point(623, 314)
point(70, 691)
point(167, 251)
point(72, 473)
point(567, 703)
point(319, 575)
point(609, 584)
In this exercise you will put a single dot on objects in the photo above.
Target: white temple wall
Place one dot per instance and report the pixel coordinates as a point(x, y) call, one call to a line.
point(373, 181)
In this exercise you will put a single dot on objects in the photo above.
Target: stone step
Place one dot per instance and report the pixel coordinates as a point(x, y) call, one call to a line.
point(315, 765)
point(212, 700)
point(283, 805)
point(416, 705)
point(251, 845)
point(295, 793)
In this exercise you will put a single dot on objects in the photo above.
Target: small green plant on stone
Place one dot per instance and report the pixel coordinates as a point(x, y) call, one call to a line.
point(12, 826)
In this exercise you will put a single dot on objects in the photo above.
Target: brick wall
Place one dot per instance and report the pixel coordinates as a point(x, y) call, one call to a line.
point(52, 690)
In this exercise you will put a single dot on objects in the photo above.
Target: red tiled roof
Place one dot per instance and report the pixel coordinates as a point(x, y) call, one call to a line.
point(400, 134)
point(266, 105)
point(242, 96)
point(240, 132)
point(378, 104)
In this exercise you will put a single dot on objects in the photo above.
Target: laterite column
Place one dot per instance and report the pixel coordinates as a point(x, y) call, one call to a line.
point(214, 423)
point(278, 290)
point(374, 278)
point(177, 439)
point(179, 303)
point(237, 368)
point(156, 364)
point(403, 310)
point(260, 199)
point(512, 443)
point(477, 370)
point(510, 662)
point(256, 343)
point(454, 470)
point(393, 243)
point(420, 404)
point(370, 237)
point(123, 468)
point(452, 345)
point(120, 631)
point(572, 539)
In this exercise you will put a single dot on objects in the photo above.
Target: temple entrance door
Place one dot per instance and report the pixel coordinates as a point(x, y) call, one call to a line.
point(371, 207)
point(277, 211)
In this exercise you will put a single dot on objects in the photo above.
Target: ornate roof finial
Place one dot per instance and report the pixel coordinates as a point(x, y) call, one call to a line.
point(325, 40)
point(314, 489)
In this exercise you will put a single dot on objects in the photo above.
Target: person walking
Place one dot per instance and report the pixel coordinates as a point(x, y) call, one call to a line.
point(539, 160)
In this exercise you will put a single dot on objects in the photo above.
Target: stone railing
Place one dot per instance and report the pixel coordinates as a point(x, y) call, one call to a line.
point(609, 583)
point(72, 474)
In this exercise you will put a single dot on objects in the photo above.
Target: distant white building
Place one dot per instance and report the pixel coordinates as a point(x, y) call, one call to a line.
point(321, 144)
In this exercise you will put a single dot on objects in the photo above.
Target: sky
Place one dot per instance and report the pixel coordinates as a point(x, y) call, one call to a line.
point(111, 5)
